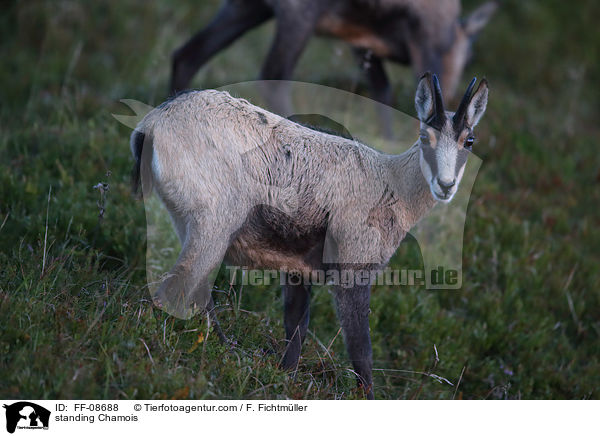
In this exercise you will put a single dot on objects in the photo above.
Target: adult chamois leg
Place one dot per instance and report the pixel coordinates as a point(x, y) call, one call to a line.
point(353, 312)
point(296, 306)
point(381, 90)
point(234, 19)
point(296, 22)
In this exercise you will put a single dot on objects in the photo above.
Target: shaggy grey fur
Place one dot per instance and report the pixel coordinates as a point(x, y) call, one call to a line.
point(245, 185)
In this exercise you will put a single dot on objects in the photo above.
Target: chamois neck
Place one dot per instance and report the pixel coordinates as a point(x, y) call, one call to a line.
point(415, 198)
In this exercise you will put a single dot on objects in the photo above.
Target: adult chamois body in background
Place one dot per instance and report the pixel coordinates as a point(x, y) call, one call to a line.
point(427, 34)
point(258, 190)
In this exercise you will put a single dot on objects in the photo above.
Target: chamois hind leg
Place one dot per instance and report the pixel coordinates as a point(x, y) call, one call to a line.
point(353, 312)
point(234, 18)
point(187, 287)
point(296, 306)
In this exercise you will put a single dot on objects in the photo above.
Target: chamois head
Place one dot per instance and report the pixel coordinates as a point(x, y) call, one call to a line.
point(446, 138)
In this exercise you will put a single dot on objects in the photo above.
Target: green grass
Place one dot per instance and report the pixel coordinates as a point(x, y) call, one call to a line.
point(75, 316)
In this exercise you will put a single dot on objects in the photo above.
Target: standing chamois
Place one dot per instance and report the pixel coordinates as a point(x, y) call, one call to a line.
point(427, 34)
point(261, 191)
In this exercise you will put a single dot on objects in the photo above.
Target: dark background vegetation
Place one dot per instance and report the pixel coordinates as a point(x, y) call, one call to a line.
point(75, 317)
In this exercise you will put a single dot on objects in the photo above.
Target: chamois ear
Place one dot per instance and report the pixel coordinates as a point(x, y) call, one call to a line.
point(477, 20)
point(424, 98)
point(477, 104)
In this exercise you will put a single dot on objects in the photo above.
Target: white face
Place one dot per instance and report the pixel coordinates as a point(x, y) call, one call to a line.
point(443, 158)
point(446, 138)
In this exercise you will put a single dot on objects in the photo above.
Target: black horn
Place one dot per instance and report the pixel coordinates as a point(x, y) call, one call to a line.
point(459, 115)
point(439, 102)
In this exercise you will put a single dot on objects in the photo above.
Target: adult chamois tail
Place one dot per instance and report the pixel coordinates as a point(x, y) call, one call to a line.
point(141, 173)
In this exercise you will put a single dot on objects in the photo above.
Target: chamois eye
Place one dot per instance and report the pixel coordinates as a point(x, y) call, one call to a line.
point(469, 142)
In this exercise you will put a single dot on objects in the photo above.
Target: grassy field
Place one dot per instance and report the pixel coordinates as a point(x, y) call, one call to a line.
point(75, 315)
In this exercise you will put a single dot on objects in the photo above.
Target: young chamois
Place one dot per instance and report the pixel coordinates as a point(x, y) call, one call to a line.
point(261, 191)
point(427, 34)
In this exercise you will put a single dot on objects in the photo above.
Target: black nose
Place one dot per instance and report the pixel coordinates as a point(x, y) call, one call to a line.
point(446, 186)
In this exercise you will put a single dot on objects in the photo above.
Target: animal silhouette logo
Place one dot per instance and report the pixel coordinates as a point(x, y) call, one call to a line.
point(26, 415)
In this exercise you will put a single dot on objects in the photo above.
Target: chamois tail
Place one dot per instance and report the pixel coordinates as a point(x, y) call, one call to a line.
point(141, 174)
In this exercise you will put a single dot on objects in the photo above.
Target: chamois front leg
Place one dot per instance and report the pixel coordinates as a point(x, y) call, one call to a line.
point(296, 305)
point(353, 312)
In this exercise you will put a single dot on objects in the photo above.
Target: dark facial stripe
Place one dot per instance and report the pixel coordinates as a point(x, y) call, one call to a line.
point(461, 159)
point(430, 157)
